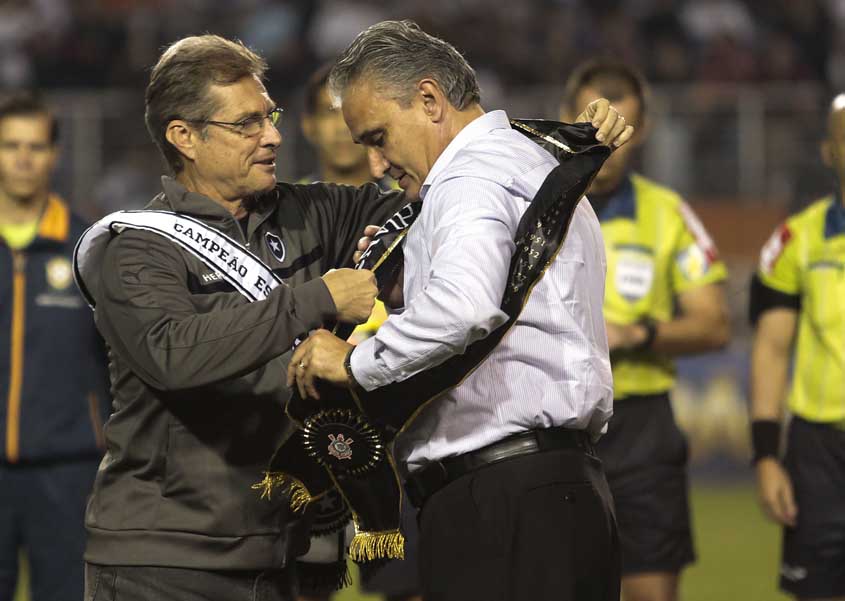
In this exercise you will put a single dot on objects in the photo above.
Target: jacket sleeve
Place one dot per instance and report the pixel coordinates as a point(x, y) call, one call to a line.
point(341, 213)
point(145, 312)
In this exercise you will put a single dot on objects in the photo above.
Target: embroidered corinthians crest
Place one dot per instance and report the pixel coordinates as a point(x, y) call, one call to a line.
point(276, 246)
point(340, 428)
point(339, 447)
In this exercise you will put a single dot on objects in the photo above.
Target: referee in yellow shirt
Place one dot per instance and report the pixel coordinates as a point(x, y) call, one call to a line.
point(798, 299)
point(663, 299)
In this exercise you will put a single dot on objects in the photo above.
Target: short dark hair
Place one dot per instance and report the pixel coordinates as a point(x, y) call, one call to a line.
point(180, 81)
point(613, 79)
point(30, 104)
point(317, 82)
point(397, 54)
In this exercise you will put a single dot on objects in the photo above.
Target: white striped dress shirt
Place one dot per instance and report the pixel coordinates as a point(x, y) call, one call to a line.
point(552, 368)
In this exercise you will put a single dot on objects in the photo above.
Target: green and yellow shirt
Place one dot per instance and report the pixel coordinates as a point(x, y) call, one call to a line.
point(802, 266)
point(656, 249)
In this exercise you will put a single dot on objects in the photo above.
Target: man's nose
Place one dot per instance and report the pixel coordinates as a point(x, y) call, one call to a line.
point(23, 158)
point(270, 135)
point(378, 164)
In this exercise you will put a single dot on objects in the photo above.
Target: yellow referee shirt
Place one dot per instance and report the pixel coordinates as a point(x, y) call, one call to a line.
point(805, 258)
point(656, 249)
point(18, 236)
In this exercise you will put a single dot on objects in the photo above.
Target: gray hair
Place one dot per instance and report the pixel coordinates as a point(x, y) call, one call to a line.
point(397, 55)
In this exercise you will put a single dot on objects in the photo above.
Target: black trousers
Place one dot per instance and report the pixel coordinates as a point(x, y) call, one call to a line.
point(148, 583)
point(536, 527)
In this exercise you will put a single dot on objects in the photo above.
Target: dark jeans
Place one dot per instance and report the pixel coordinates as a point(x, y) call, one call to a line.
point(148, 583)
point(42, 511)
point(538, 527)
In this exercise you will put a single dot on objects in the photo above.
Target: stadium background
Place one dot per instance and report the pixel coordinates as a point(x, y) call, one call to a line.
point(740, 92)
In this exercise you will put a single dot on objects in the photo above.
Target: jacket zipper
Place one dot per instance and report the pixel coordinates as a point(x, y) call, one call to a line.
point(96, 421)
point(13, 413)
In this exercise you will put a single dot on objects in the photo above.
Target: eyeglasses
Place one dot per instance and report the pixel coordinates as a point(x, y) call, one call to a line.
point(251, 126)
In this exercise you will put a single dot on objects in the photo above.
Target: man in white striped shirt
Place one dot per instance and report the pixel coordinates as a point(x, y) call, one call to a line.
point(522, 510)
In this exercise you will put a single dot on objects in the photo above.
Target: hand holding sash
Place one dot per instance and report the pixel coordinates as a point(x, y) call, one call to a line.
point(353, 292)
point(320, 356)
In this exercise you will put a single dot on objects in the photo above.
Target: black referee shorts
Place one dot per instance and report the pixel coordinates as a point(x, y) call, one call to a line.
point(814, 551)
point(645, 455)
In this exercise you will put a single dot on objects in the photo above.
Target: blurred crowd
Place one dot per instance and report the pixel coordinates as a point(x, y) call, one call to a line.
point(762, 70)
point(84, 43)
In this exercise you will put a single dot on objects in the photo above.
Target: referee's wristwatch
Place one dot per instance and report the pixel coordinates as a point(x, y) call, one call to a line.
point(650, 334)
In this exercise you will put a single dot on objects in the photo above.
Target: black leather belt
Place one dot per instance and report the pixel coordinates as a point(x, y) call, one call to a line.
point(425, 482)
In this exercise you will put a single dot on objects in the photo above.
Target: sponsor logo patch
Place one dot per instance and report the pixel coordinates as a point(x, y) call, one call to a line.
point(59, 273)
point(793, 573)
point(634, 277)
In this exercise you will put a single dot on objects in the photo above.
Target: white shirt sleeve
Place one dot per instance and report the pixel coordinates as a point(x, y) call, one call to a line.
point(473, 224)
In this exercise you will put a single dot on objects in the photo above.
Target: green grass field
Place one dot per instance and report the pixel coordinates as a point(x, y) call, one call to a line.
point(738, 551)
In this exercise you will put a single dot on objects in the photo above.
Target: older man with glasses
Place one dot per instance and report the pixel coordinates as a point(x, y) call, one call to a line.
point(200, 299)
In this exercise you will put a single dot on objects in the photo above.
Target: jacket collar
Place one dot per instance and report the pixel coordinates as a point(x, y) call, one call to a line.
point(834, 219)
point(54, 224)
point(182, 200)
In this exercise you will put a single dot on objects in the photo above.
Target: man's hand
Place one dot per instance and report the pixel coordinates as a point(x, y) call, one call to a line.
point(611, 125)
point(775, 491)
point(354, 293)
point(364, 242)
point(624, 337)
point(320, 356)
point(392, 295)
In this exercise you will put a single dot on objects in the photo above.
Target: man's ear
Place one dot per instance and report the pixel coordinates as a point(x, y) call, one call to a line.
point(183, 137)
point(642, 130)
point(433, 100)
point(827, 153)
point(308, 127)
point(55, 155)
point(565, 114)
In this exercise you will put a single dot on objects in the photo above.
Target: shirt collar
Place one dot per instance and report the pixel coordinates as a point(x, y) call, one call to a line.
point(476, 128)
point(621, 204)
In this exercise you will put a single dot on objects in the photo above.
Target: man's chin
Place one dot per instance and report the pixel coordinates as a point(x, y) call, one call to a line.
point(259, 186)
point(23, 191)
point(605, 185)
point(412, 192)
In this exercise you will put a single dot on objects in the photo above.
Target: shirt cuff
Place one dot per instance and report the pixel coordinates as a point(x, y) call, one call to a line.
point(365, 368)
point(313, 303)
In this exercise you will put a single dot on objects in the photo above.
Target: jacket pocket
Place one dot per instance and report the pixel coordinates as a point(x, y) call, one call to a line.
point(207, 488)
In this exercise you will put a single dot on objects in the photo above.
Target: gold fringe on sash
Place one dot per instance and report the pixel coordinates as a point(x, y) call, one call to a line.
point(367, 546)
point(299, 495)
